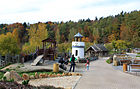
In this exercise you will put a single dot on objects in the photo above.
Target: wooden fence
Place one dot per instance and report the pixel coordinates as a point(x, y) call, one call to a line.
point(5, 60)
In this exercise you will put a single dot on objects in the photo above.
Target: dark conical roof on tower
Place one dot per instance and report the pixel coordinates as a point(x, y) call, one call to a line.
point(78, 35)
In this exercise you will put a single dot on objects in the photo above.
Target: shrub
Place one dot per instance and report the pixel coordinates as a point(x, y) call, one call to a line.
point(25, 82)
point(7, 69)
point(1, 75)
point(108, 61)
point(11, 80)
point(4, 78)
point(138, 55)
point(109, 46)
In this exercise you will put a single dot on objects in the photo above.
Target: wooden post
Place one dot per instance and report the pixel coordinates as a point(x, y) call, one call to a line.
point(124, 67)
point(6, 60)
point(33, 56)
point(22, 60)
point(43, 45)
point(17, 58)
point(13, 59)
point(56, 67)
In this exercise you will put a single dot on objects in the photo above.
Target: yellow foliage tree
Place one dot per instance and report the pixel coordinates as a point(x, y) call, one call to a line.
point(121, 44)
point(111, 37)
point(16, 36)
point(64, 47)
point(37, 33)
point(8, 44)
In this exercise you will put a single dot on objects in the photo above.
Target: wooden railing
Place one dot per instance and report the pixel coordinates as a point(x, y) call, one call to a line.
point(5, 60)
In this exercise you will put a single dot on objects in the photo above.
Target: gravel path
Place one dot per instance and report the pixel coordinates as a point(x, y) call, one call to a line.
point(103, 76)
point(63, 82)
point(47, 65)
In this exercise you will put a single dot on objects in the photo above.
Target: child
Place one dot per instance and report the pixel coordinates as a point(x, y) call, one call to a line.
point(87, 64)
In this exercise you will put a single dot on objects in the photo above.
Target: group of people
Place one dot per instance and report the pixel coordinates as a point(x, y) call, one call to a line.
point(73, 64)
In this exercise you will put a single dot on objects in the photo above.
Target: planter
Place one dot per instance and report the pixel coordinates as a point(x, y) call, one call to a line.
point(124, 67)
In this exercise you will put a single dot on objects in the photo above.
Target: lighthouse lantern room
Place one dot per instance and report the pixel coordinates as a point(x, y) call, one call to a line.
point(78, 46)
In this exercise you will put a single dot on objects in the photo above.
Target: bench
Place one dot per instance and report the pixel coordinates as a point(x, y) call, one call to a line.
point(136, 61)
point(134, 66)
point(125, 61)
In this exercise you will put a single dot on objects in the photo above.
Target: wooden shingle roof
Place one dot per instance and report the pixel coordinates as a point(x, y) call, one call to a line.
point(101, 47)
point(97, 48)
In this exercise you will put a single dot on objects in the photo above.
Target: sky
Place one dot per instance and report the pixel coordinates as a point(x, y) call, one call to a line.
point(33, 11)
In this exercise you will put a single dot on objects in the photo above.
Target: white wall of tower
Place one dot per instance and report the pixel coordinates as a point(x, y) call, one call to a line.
point(79, 46)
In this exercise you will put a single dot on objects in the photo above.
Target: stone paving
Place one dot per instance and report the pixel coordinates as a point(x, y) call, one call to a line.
point(49, 65)
point(63, 82)
point(103, 76)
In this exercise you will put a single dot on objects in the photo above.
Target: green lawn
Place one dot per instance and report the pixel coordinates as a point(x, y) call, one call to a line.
point(138, 55)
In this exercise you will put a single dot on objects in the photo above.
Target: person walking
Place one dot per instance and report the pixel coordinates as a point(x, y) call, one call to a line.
point(87, 63)
point(72, 60)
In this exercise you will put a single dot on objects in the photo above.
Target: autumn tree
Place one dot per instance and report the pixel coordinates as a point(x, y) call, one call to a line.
point(71, 34)
point(88, 44)
point(57, 36)
point(121, 44)
point(109, 46)
point(111, 37)
point(16, 36)
point(64, 47)
point(124, 26)
point(8, 44)
point(95, 35)
point(37, 33)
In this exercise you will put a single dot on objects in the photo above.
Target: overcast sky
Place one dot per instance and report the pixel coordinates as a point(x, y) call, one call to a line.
point(33, 11)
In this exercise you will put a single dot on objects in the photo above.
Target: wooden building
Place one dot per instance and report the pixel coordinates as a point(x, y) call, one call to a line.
point(96, 50)
point(48, 53)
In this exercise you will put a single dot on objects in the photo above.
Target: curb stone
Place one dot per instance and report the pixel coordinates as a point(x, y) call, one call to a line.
point(76, 83)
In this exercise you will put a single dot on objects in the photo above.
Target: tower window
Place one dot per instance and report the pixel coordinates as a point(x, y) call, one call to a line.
point(76, 39)
point(76, 52)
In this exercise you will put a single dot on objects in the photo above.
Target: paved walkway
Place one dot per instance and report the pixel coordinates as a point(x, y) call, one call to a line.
point(103, 76)
point(47, 65)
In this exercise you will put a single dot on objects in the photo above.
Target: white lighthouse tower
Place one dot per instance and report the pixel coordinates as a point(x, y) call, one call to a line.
point(78, 46)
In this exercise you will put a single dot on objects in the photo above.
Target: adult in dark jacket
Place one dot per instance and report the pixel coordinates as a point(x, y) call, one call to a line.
point(62, 62)
point(72, 60)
